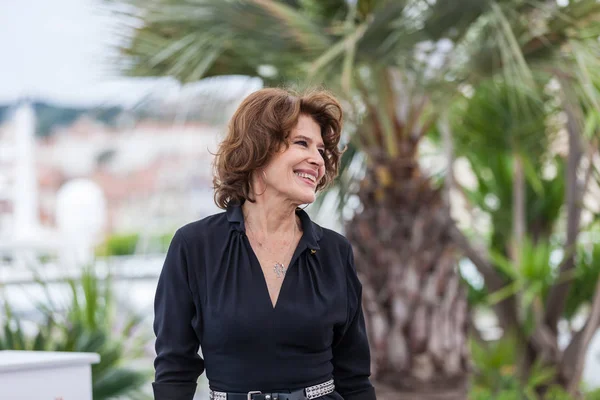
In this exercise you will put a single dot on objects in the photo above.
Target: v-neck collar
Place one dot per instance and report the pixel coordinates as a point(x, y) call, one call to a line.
point(311, 235)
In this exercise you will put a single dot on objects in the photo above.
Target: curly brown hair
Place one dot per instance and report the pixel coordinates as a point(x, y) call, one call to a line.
point(260, 126)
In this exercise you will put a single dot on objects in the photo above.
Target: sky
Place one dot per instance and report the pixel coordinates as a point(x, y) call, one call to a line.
point(60, 51)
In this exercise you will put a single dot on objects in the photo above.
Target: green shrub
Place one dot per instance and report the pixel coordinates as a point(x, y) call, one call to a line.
point(118, 245)
point(495, 375)
point(90, 324)
point(127, 244)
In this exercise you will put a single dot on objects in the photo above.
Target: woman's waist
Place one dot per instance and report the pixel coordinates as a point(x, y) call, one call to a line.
point(241, 373)
point(285, 392)
point(269, 384)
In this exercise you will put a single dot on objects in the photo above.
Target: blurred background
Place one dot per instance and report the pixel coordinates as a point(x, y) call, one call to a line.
point(470, 186)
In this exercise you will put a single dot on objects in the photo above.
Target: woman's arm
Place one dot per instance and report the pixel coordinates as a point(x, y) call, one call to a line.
point(177, 362)
point(351, 355)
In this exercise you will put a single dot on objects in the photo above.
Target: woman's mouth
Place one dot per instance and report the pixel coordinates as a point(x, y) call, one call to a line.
point(307, 178)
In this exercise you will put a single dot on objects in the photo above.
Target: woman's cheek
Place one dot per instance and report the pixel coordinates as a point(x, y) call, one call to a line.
point(321, 173)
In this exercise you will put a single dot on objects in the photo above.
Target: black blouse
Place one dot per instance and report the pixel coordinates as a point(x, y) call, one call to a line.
point(212, 293)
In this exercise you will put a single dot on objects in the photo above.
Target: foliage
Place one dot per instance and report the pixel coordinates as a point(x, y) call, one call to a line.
point(530, 280)
point(489, 131)
point(593, 395)
point(587, 273)
point(88, 323)
point(491, 134)
point(501, 118)
point(128, 244)
point(118, 245)
point(496, 377)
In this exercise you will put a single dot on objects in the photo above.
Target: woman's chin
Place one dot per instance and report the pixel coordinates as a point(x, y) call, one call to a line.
point(306, 199)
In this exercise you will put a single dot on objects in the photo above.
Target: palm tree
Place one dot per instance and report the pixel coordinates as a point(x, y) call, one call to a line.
point(379, 56)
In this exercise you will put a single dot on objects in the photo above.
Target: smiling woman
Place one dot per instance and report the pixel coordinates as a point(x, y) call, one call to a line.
point(266, 123)
point(295, 173)
point(272, 298)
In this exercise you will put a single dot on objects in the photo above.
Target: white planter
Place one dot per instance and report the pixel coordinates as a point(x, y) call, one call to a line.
point(46, 375)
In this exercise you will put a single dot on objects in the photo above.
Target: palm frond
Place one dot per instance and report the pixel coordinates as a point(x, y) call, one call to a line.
point(300, 28)
point(515, 68)
point(335, 52)
point(208, 37)
point(390, 36)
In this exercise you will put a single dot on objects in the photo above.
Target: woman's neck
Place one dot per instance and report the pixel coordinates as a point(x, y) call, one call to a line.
point(269, 218)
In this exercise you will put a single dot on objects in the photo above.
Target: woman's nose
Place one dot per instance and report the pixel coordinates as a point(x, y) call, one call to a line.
point(316, 158)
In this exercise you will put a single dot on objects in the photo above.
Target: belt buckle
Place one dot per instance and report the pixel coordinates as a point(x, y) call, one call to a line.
point(253, 392)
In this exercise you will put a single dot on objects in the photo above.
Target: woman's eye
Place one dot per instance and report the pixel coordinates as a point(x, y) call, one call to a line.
point(304, 143)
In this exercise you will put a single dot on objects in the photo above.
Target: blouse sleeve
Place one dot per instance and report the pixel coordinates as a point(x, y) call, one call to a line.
point(177, 364)
point(351, 355)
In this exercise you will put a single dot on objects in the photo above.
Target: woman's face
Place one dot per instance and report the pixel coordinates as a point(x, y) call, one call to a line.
point(294, 173)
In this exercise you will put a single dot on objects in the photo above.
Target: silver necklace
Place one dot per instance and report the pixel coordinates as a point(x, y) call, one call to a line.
point(278, 267)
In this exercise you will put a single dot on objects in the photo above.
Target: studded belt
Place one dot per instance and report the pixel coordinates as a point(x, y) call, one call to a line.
point(309, 393)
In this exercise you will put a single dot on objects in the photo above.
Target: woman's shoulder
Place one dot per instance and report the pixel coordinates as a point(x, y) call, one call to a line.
point(338, 251)
point(330, 239)
point(332, 236)
point(210, 226)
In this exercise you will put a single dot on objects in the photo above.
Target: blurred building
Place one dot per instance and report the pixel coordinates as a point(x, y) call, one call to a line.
point(154, 175)
point(151, 161)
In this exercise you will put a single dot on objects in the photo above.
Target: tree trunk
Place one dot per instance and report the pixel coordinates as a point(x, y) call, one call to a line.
point(518, 204)
point(415, 306)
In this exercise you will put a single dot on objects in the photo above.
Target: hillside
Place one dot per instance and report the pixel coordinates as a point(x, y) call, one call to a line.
point(50, 115)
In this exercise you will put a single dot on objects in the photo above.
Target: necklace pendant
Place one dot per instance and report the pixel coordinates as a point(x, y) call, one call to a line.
point(279, 269)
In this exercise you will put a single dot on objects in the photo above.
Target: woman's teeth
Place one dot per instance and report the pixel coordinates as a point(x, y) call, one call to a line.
point(307, 176)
